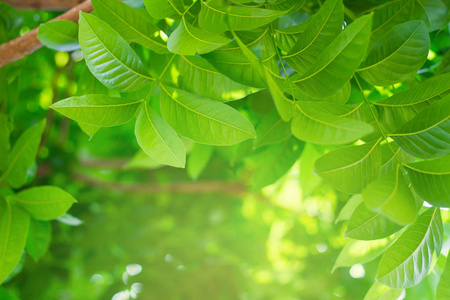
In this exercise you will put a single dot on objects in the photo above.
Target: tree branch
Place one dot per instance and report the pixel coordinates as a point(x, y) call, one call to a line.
point(27, 44)
point(44, 4)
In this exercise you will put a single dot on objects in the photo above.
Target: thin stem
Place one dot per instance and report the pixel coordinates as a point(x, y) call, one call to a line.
point(160, 77)
point(376, 120)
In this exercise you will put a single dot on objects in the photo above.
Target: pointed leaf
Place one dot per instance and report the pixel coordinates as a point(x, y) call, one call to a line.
point(158, 139)
point(431, 180)
point(59, 35)
point(39, 237)
point(390, 195)
point(14, 223)
point(44, 202)
point(198, 76)
point(408, 260)
point(204, 120)
point(338, 62)
point(351, 169)
point(98, 110)
point(323, 28)
point(23, 155)
point(427, 135)
point(215, 17)
point(276, 160)
point(366, 225)
point(130, 24)
point(190, 40)
point(109, 57)
point(312, 123)
point(405, 46)
point(161, 9)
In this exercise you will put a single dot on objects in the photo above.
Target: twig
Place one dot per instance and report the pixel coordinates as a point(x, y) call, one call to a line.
point(28, 43)
point(61, 5)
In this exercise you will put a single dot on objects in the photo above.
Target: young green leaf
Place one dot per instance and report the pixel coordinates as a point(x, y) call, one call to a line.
point(379, 291)
point(432, 12)
point(405, 46)
point(158, 139)
point(312, 122)
point(203, 120)
point(337, 63)
point(39, 237)
point(130, 24)
point(340, 97)
point(366, 225)
point(276, 161)
point(360, 252)
point(161, 9)
point(427, 135)
point(431, 180)
point(402, 107)
point(286, 38)
point(389, 15)
point(59, 35)
point(321, 31)
point(190, 40)
point(109, 57)
point(98, 110)
point(22, 156)
point(406, 262)
point(198, 76)
point(198, 159)
point(213, 17)
point(443, 288)
point(44, 202)
point(391, 196)
point(89, 129)
point(348, 209)
point(14, 223)
point(271, 130)
point(351, 169)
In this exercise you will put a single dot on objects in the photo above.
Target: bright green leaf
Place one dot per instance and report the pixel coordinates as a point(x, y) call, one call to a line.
point(59, 35)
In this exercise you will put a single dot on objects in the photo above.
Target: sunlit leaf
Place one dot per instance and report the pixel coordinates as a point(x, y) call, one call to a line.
point(406, 262)
point(349, 207)
point(271, 130)
point(379, 291)
point(161, 9)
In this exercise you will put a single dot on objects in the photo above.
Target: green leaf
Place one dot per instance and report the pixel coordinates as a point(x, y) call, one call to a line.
point(366, 225)
point(398, 55)
point(59, 35)
point(203, 120)
point(443, 288)
point(161, 9)
point(158, 139)
point(389, 15)
point(379, 291)
point(6, 126)
point(23, 155)
point(402, 107)
point(390, 195)
point(290, 6)
point(44, 202)
point(432, 12)
point(276, 160)
point(89, 129)
point(39, 237)
point(431, 180)
point(427, 135)
point(130, 24)
point(360, 252)
point(271, 130)
point(109, 57)
point(337, 63)
point(348, 209)
point(198, 76)
point(190, 40)
point(340, 97)
point(351, 169)
point(323, 28)
point(406, 262)
point(287, 37)
point(198, 159)
point(218, 18)
point(313, 122)
point(14, 223)
point(98, 110)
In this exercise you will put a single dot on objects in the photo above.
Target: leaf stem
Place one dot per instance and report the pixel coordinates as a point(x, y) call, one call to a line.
point(376, 120)
point(160, 77)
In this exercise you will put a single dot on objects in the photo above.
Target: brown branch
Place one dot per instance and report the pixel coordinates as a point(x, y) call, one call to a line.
point(196, 187)
point(27, 44)
point(44, 4)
